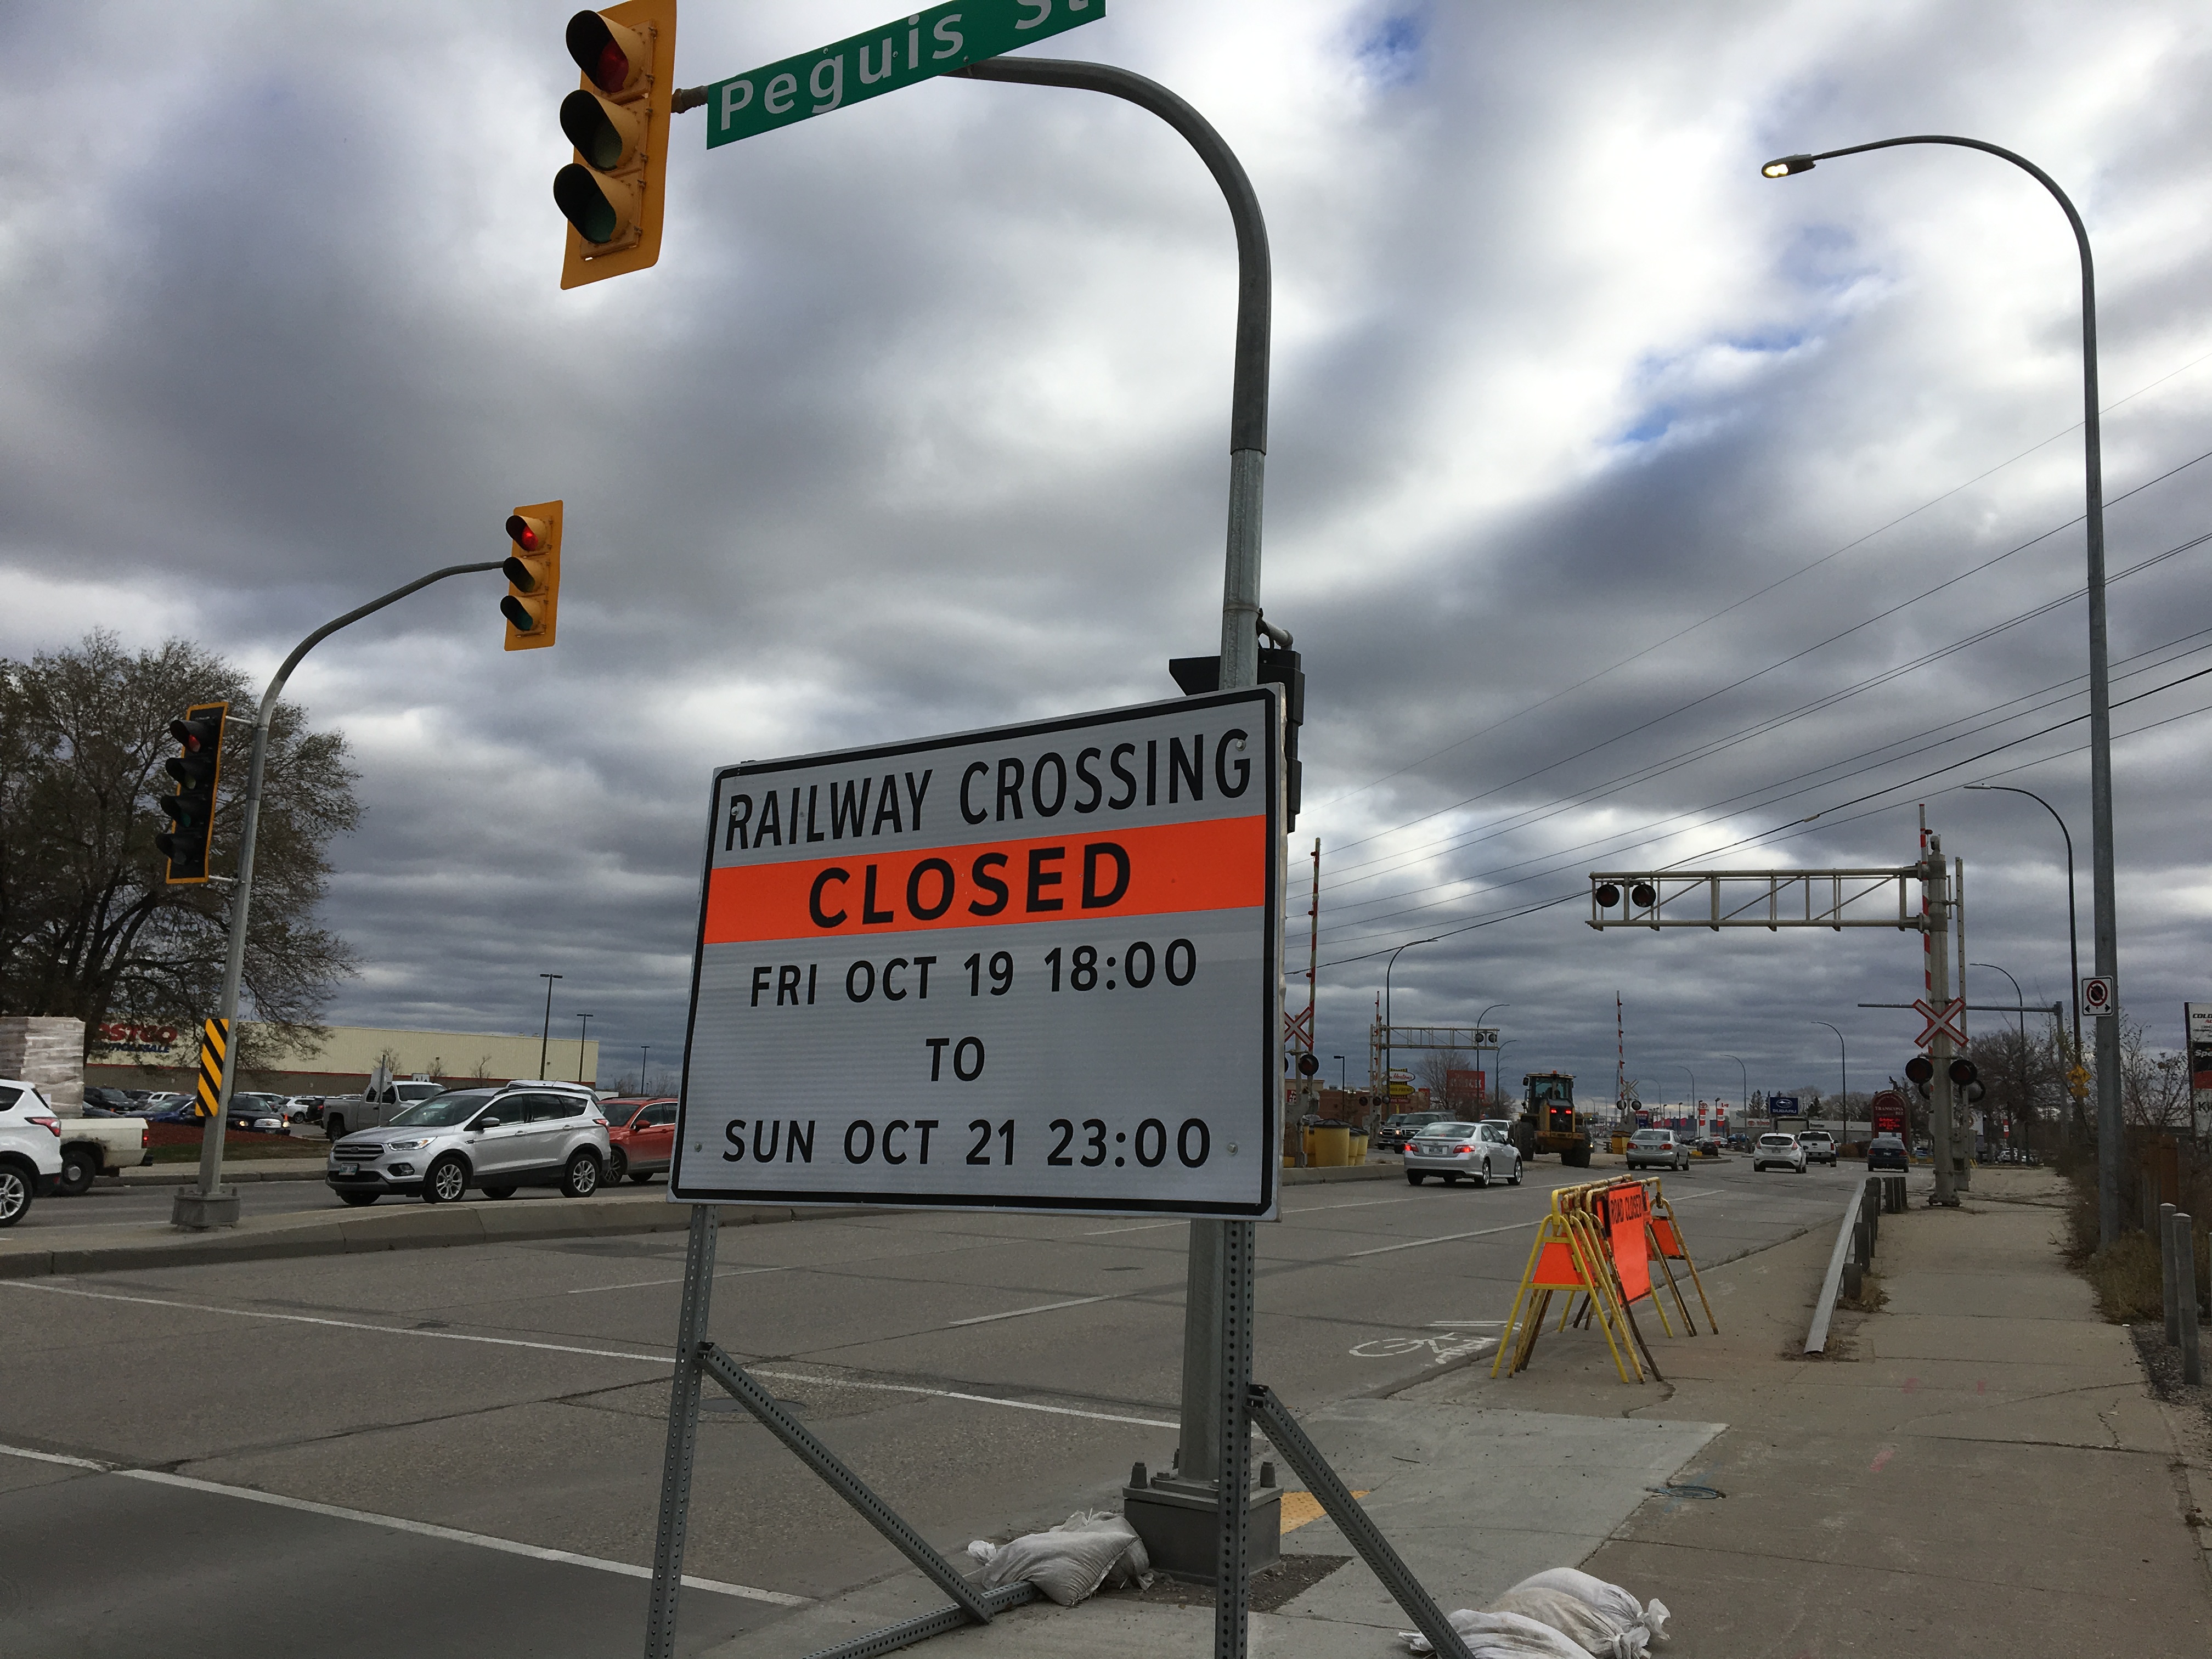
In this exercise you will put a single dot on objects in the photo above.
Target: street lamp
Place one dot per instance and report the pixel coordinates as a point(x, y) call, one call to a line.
point(2073, 938)
point(545, 1038)
point(1843, 1053)
point(2103, 915)
point(1746, 1070)
point(1480, 1020)
point(582, 1031)
point(1340, 1086)
point(2020, 1002)
point(1389, 1099)
point(1693, 1114)
point(643, 1049)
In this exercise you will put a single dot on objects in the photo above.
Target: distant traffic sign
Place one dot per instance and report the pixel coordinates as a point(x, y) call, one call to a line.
point(902, 51)
point(1032, 967)
point(2099, 996)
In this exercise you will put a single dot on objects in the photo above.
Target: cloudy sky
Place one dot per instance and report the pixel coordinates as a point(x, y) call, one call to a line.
point(1627, 507)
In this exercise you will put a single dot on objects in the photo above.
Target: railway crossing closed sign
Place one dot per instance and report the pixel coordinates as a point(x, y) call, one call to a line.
point(1035, 968)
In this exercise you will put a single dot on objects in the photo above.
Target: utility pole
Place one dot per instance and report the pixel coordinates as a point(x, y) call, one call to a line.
point(1964, 1166)
point(583, 1032)
point(1936, 947)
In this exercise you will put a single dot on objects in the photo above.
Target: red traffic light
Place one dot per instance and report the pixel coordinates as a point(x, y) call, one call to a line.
point(196, 734)
point(613, 58)
point(1964, 1072)
point(1608, 895)
point(1920, 1069)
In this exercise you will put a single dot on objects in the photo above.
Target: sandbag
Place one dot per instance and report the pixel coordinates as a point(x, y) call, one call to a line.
point(1069, 1562)
point(1599, 1633)
point(1500, 1636)
point(1610, 1600)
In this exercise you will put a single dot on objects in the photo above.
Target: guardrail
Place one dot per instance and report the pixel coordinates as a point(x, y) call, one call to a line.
point(1853, 1251)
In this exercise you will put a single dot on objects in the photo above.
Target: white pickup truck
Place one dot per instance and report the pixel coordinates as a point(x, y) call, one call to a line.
point(376, 1105)
point(94, 1147)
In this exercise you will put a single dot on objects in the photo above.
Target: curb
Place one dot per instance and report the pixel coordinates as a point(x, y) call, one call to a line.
point(183, 1175)
point(416, 1228)
point(1309, 1177)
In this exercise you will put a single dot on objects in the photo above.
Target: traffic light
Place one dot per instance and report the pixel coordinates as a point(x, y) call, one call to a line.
point(1308, 1065)
point(532, 569)
point(1963, 1072)
point(612, 193)
point(198, 769)
point(1921, 1070)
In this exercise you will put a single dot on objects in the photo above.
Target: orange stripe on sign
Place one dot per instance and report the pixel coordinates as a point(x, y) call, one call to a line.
point(1220, 864)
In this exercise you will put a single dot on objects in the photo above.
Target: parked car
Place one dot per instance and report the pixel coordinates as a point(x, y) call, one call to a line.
point(1656, 1149)
point(640, 1136)
point(304, 1108)
point(1398, 1128)
point(1887, 1153)
point(30, 1149)
point(1780, 1152)
point(525, 1134)
point(1819, 1146)
point(1482, 1152)
point(255, 1113)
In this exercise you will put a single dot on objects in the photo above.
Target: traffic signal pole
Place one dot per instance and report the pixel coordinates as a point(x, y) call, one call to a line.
point(1217, 1362)
point(210, 1204)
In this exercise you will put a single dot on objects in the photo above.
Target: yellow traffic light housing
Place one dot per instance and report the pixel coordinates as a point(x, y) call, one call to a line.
point(533, 568)
point(612, 194)
point(198, 769)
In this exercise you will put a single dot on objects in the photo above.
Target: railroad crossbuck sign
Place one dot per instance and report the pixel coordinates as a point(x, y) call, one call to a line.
point(1942, 1022)
point(1034, 968)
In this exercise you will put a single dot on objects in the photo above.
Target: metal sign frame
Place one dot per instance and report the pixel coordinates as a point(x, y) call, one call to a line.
point(1772, 899)
point(804, 917)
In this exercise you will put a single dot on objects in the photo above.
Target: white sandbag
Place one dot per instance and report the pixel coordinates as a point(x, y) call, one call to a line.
point(1500, 1636)
point(1070, 1561)
point(1602, 1634)
point(1611, 1600)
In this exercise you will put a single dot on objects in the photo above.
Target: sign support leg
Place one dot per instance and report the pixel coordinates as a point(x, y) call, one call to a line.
point(682, 1433)
point(1232, 1584)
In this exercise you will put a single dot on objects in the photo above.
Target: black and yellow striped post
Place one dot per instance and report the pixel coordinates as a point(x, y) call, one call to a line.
point(214, 1055)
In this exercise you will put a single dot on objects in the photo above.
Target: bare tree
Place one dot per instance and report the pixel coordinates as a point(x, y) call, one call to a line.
point(2154, 1083)
point(89, 927)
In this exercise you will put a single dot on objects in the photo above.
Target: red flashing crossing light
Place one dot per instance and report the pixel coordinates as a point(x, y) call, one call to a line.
point(611, 193)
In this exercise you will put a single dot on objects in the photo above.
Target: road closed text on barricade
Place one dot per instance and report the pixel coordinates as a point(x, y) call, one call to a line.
point(1030, 968)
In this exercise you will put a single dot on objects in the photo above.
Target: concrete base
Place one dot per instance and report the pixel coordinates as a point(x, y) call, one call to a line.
point(1180, 1522)
point(199, 1212)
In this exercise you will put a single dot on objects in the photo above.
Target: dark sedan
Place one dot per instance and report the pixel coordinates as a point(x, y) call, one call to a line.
point(1397, 1130)
point(1885, 1152)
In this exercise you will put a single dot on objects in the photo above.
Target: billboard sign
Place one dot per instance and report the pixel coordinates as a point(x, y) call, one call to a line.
point(1784, 1106)
point(1033, 968)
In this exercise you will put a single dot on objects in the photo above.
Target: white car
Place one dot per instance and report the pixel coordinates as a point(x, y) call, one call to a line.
point(1780, 1152)
point(1657, 1148)
point(1483, 1152)
point(30, 1149)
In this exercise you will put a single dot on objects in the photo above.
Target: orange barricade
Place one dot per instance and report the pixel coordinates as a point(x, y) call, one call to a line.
point(1599, 1242)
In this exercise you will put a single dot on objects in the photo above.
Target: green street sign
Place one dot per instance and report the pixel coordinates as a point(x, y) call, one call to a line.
point(900, 53)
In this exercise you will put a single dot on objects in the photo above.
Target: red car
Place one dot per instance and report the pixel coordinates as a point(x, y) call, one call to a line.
point(642, 1134)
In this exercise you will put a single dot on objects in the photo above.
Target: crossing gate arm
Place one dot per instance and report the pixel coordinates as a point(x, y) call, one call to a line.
point(1283, 1431)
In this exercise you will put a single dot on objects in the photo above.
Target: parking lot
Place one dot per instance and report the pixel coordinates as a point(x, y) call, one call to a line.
point(476, 1433)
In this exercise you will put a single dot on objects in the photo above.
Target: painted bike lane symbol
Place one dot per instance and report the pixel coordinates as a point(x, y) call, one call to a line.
point(1458, 1340)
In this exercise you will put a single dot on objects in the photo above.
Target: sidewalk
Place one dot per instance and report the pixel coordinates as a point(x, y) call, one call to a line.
point(1977, 1469)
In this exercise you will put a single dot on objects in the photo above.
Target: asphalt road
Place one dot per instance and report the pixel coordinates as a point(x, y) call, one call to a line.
point(451, 1452)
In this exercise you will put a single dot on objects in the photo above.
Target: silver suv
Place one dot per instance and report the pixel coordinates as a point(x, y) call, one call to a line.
point(519, 1134)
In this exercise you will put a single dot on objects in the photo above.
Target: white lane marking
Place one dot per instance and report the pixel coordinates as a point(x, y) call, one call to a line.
point(420, 1528)
point(979, 1399)
point(339, 1324)
point(1149, 1226)
point(55, 1457)
point(641, 1284)
point(1361, 1204)
point(1466, 1324)
point(1017, 1313)
point(1447, 1238)
point(596, 1353)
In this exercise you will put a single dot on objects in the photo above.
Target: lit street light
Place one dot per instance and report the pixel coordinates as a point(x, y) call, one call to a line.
point(2103, 916)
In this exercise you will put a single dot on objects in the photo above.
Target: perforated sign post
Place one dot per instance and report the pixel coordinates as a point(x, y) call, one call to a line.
point(1036, 968)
